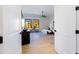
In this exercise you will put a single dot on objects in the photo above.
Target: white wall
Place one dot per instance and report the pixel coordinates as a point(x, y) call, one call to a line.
point(1, 29)
point(44, 23)
point(1, 26)
point(65, 20)
point(11, 29)
point(51, 25)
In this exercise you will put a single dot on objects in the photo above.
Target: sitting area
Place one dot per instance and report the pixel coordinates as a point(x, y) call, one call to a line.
point(48, 31)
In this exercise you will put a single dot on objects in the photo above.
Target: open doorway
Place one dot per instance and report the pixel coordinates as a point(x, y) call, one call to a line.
point(38, 25)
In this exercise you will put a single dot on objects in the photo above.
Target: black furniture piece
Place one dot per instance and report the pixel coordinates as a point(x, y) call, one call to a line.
point(25, 35)
point(50, 31)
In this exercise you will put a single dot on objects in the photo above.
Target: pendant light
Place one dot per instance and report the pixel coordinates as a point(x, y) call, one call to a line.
point(43, 14)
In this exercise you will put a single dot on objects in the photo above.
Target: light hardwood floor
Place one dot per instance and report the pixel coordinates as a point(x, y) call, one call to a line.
point(40, 44)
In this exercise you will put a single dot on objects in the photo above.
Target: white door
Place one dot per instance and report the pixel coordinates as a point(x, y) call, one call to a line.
point(65, 26)
point(11, 29)
point(77, 14)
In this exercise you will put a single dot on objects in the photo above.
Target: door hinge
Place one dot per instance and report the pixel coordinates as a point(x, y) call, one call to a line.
point(1, 39)
point(77, 8)
point(77, 31)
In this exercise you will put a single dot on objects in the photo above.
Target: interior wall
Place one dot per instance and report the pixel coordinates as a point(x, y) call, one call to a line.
point(1, 29)
point(11, 29)
point(45, 23)
point(51, 24)
point(1, 25)
point(65, 26)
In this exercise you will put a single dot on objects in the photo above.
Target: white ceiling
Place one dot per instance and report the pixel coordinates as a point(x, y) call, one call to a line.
point(37, 10)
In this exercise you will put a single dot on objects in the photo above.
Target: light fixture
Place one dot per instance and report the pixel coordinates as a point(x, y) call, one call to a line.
point(43, 14)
